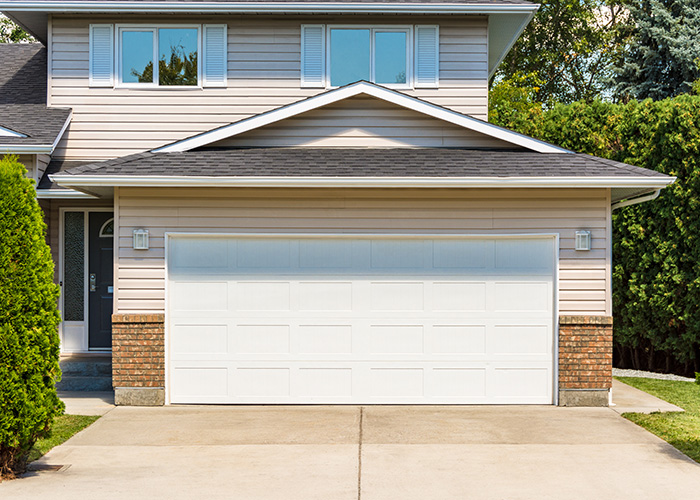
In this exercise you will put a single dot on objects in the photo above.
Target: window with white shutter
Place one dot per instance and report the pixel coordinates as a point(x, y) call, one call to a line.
point(427, 56)
point(215, 56)
point(101, 55)
point(313, 56)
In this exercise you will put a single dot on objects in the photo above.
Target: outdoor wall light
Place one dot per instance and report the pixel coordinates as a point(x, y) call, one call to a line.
point(583, 240)
point(140, 239)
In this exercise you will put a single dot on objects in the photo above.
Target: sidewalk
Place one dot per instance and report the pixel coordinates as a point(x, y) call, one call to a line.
point(627, 399)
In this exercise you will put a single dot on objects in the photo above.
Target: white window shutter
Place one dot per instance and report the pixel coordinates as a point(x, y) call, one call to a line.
point(215, 56)
point(313, 55)
point(101, 55)
point(427, 57)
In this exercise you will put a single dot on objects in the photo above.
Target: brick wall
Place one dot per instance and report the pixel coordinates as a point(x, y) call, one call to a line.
point(138, 353)
point(585, 352)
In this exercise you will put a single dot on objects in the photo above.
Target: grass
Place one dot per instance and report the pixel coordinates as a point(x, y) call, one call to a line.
point(64, 427)
point(682, 430)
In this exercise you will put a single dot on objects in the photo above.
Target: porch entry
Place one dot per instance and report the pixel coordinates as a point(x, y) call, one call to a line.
point(87, 280)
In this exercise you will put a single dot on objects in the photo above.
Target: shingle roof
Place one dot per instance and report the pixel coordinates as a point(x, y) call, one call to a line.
point(23, 96)
point(330, 162)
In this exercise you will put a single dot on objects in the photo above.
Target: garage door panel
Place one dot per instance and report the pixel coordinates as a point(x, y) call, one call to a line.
point(335, 320)
point(454, 340)
point(459, 296)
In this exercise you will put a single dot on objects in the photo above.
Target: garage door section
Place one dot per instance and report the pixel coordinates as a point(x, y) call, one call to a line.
point(360, 320)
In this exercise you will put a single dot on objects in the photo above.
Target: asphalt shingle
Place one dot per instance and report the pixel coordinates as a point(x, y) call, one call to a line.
point(331, 162)
point(23, 96)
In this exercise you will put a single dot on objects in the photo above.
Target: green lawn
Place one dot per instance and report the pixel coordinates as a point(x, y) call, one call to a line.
point(682, 430)
point(63, 428)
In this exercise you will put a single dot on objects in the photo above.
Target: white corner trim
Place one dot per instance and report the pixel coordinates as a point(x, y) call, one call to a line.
point(6, 132)
point(352, 90)
point(255, 7)
point(363, 182)
point(62, 194)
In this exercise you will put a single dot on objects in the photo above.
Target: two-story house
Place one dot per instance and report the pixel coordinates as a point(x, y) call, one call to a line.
point(303, 202)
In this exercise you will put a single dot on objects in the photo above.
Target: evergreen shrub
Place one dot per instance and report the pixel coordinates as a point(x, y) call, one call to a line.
point(29, 343)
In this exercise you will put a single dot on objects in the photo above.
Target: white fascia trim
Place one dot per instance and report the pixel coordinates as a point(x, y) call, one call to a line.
point(264, 7)
point(62, 194)
point(38, 149)
point(62, 131)
point(6, 132)
point(372, 182)
point(352, 90)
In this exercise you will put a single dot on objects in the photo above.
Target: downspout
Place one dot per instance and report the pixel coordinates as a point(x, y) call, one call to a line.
point(634, 201)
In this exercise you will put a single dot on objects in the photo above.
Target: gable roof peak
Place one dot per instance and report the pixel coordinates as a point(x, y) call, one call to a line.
point(352, 90)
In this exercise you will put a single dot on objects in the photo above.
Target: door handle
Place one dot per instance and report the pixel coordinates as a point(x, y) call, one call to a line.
point(93, 282)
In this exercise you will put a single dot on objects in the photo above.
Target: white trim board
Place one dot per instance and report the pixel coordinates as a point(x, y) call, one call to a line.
point(276, 7)
point(352, 90)
point(75, 181)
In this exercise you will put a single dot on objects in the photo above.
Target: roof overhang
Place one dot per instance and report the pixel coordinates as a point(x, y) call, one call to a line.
point(506, 22)
point(38, 149)
point(352, 90)
point(62, 194)
point(86, 182)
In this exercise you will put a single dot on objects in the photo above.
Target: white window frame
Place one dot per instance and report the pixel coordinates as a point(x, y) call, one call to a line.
point(373, 29)
point(153, 28)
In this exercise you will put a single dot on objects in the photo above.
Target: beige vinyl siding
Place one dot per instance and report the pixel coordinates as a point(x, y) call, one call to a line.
point(140, 275)
point(363, 122)
point(264, 55)
point(29, 162)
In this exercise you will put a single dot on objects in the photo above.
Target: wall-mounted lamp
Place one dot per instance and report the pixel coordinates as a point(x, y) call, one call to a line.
point(583, 240)
point(140, 239)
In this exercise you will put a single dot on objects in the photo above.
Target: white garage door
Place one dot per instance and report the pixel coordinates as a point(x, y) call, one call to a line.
point(360, 320)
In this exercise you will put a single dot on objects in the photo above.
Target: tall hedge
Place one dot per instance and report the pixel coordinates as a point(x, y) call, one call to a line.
point(29, 344)
point(656, 245)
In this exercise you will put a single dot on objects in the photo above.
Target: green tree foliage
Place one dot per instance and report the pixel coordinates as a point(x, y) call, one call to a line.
point(179, 69)
point(29, 344)
point(11, 33)
point(661, 59)
point(569, 46)
point(656, 245)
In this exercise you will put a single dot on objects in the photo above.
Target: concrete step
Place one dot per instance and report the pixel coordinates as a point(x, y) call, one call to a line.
point(83, 383)
point(86, 366)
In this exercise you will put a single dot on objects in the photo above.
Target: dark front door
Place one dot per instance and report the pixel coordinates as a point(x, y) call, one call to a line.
point(100, 271)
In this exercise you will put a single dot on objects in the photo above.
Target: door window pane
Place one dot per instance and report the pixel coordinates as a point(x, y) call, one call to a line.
point(137, 56)
point(350, 57)
point(390, 57)
point(177, 56)
point(74, 266)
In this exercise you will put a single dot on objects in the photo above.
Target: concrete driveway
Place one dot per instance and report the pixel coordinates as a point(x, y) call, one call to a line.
point(385, 452)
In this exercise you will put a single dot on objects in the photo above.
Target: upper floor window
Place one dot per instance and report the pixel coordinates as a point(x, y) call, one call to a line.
point(376, 55)
point(159, 56)
point(143, 56)
point(394, 56)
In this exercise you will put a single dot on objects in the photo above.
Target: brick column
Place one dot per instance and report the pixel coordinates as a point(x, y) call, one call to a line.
point(585, 360)
point(138, 359)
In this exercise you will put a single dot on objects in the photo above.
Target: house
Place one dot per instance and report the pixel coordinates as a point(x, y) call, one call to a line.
point(303, 202)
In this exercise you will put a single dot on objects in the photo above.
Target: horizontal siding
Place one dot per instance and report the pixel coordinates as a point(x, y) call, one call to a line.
point(583, 275)
point(264, 55)
point(362, 122)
